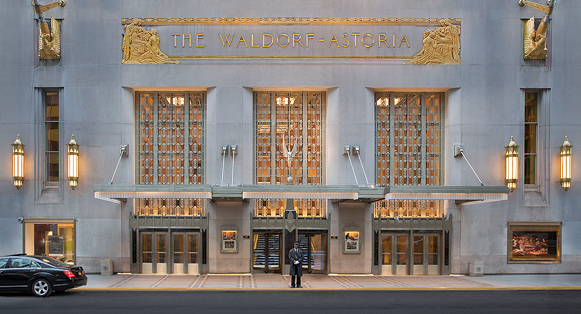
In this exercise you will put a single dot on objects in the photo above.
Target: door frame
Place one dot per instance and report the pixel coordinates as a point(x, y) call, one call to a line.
point(410, 268)
point(188, 268)
point(395, 269)
point(281, 256)
point(154, 251)
point(169, 232)
point(309, 235)
point(425, 268)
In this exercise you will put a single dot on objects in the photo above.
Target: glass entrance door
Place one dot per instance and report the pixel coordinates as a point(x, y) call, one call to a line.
point(315, 247)
point(419, 251)
point(394, 254)
point(266, 252)
point(400, 256)
point(426, 254)
point(185, 253)
point(154, 252)
point(401, 260)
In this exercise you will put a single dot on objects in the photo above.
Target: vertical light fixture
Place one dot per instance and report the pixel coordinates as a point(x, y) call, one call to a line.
point(511, 158)
point(566, 155)
point(73, 164)
point(18, 162)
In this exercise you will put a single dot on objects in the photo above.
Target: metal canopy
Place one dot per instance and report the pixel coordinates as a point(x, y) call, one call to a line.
point(460, 194)
point(121, 192)
point(302, 191)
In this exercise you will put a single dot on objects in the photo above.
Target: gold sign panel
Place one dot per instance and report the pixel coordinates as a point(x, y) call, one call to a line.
point(413, 41)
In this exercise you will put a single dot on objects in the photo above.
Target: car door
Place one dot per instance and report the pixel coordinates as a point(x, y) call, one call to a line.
point(3, 262)
point(18, 272)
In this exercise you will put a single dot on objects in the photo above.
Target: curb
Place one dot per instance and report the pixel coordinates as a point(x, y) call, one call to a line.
point(339, 289)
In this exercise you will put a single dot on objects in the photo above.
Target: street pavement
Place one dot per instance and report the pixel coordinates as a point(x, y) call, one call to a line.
point(331, 282)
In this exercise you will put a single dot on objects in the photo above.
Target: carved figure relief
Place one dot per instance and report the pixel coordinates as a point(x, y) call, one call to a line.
point(289, 155)
point(535, 42)
point(49, 41)
point(440, 45)
point(38, 8)
point(141, 46)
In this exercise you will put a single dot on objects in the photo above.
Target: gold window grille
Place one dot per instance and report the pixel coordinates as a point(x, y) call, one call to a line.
point(291, 121)
point(408, 141)
point(170, 148)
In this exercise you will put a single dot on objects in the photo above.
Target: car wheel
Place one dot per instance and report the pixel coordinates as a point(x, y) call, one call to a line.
point(41, 288)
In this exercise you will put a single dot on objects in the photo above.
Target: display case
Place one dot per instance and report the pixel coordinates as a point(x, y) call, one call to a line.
point(229, 236)
point(51, 237)
point(534, 242)
point(351, 244)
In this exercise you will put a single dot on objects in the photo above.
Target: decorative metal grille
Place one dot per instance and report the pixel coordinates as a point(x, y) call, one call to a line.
point(433, 139)
point(165, 148)
point(146, 139)
point(289, 136)
point(197, 105)
point(314, 137)
point(263, 139)
point(170, 142)
point(289, 122)
point(382, 137)
point(407, 147)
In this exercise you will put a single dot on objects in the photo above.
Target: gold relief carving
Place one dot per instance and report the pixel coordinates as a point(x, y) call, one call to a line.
point(49, 41)
point(440, 45)
point(292, 57)
point(43, 8)
point(142, 47)
point(535, 42)
point(547, 9)
point(288, 20)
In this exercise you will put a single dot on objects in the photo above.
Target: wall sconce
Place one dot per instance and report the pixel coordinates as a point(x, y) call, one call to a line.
point(511, 164)
point(73, 165)
point(18, 162)
point(566, 155)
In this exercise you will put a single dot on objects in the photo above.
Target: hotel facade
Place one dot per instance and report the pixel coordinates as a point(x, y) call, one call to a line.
point(387, 137)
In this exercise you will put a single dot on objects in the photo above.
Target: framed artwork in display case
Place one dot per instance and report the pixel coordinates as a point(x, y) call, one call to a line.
point(534, 242)
point(229, 236)
point(352, 236)
point(55, 245)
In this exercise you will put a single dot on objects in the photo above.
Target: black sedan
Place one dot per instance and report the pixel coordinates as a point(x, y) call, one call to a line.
point(39, 274)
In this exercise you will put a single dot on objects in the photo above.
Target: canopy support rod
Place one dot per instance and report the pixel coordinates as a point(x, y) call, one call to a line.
point(124, 152)
point(346, 151)
point(224, 152)
point(459, 150)
point(357, 151)
point(234, 152)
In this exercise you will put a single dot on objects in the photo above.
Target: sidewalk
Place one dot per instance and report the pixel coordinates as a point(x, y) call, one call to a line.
point(331, 282)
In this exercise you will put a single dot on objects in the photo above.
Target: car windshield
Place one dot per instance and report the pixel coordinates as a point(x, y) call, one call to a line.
point(53, 262)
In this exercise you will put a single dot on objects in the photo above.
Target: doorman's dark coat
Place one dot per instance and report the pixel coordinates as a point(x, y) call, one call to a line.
point(296, 256)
